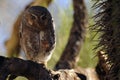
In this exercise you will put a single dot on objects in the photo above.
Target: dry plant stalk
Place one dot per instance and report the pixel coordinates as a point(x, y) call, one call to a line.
point(70, 54)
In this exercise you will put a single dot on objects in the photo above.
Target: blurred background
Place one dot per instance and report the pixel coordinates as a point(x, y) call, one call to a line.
point(62, 12)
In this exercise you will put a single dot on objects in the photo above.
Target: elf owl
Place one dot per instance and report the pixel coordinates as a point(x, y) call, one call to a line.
point(37, 34)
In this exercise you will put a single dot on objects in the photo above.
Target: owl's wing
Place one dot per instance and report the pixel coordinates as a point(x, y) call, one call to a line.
point(30, 41)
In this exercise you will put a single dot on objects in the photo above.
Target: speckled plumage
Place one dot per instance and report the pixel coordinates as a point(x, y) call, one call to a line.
point(37, 34)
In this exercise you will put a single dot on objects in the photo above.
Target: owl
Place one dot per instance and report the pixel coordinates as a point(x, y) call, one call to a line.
point(37, 34)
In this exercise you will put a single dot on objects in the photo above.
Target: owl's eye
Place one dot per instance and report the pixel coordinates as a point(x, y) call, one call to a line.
point(43, 17)
point(33, 17)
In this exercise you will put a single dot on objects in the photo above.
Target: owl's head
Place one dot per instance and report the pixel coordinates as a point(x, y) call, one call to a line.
point(38, 17)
